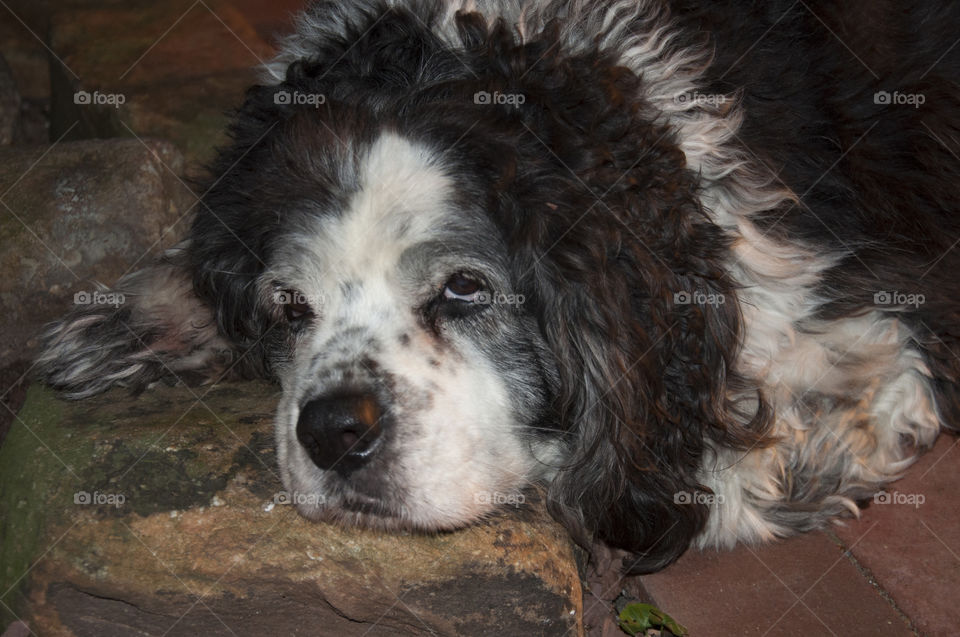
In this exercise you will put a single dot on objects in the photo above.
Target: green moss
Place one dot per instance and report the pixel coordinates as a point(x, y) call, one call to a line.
point(160, 451)
point(32, 462)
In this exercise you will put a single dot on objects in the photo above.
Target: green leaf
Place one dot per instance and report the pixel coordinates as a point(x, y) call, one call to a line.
point(637, 618)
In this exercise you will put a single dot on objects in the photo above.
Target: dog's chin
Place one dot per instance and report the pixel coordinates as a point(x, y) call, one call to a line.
point(360, 511)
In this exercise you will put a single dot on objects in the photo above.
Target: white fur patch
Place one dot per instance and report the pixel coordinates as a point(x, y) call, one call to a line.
point(453, 454)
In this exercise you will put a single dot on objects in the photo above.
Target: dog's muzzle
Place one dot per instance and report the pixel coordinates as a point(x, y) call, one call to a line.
point(341, 431)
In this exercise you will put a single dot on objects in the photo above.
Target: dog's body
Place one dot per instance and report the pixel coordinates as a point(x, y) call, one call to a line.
point(687, 267)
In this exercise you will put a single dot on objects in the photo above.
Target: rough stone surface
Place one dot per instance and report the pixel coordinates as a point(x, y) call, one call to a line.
point(34, 125)
point(9, 104)
point(22, 26)
point(77, 213)
point(199, 547)
point(160, 69)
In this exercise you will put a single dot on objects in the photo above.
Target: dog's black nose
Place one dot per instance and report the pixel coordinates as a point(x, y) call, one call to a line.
point(340, 431)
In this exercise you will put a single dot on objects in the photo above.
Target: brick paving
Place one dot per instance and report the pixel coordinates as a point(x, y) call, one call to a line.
point(911, 543)
point(895, 571)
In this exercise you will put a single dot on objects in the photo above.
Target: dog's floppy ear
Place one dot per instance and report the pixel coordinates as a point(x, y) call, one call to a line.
point(644, 337)
point(628, 276)
point(149, 326)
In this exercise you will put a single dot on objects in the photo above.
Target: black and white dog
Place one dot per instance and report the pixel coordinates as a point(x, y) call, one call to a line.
point(691, 266)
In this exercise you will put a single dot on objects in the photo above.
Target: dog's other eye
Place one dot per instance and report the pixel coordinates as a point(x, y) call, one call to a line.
point(461, 287)
point(295, 306)
point(297, 311)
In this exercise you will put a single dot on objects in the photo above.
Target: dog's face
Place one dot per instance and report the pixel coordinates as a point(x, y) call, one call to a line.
point(412, 372)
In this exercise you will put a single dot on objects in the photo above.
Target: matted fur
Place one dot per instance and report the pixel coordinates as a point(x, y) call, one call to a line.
point(680, 215)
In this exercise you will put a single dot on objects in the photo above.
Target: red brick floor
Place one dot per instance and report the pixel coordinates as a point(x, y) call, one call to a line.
point(895, 571)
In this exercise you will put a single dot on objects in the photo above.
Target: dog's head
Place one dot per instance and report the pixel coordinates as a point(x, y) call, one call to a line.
point(415, 380)
point(471, 268)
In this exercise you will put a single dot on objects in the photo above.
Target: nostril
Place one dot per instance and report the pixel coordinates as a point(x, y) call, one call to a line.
point(350, 439)
point(340, 431)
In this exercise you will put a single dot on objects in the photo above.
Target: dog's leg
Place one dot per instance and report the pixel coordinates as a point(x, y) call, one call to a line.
point(154, 326)
point(855, 403)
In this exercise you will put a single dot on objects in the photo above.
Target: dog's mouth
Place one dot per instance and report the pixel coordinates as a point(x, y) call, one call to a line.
point(343, 504)
point(356, 501)
point(369, 513)
point(367, 506)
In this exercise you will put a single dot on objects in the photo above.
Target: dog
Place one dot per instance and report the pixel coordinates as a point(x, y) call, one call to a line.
point(688, 268)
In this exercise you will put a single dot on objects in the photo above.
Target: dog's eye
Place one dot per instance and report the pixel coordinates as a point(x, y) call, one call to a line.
point(297, 311)
point(461, 287)
point(295, 305)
